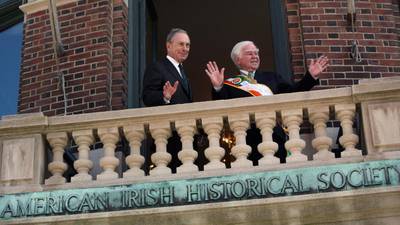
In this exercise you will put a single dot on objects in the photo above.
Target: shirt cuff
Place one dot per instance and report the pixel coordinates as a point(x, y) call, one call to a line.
point(217, 89)
point(166, 101)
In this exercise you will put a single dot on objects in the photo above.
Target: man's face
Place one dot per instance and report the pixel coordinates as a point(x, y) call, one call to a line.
point(179, 46)
point(248, 59)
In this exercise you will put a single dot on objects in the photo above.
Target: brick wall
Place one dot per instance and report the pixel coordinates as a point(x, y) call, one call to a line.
point(320, 27)
point(120, 56)
point(94, 35)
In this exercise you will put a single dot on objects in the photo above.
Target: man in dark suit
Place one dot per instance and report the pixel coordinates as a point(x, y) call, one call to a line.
point(252, 82)
point(165, 82)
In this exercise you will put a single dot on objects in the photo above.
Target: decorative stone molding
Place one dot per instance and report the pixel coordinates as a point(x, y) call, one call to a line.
point(83, 138)
point(22, 161)
point(345, 113)
point(57, 167)
point(292, 119)
point(380, 138)
point(40, 5)
point(322, 143)
point(160, 131)
point(186, 130)
point(214, 153)
point(109, 137)
point(135, 135)
point(239, 123)
point(266, 122)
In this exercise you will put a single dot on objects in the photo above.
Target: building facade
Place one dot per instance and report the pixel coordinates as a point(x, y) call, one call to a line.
point(74, 154)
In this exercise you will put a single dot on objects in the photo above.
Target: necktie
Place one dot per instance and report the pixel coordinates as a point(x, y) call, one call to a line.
point(185, 83)
point(250, 75)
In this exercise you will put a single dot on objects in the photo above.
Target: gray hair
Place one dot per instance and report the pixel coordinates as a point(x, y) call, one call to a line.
point(174, 31)
point(237, 49)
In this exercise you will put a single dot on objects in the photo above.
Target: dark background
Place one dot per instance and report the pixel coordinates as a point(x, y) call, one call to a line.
point(214, 27)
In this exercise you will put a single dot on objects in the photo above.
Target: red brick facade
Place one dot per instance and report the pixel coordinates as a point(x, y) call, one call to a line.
point(95, 35)
point(320, 27)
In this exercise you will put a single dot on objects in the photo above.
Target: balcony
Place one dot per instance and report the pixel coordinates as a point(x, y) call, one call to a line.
point(313, 187)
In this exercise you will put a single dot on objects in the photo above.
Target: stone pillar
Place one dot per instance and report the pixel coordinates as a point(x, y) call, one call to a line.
point(239, 123)
point(214, 153)
point(345, 113)
point(109, 137)
point(160, 131)
point(322, 143)
point(186, 130)
point(135, 135)
point(266, 122)
point(83, 138)
point(57, 141)
point(292, 119)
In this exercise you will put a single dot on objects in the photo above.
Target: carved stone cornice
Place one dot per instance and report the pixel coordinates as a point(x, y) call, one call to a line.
point(40, 5)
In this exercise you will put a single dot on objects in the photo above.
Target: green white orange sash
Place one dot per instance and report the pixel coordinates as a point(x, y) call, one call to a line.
point(243, 83)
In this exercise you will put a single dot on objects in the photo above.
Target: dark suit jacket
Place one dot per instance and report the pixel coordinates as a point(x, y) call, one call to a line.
point(277, 84)
point(154, 79)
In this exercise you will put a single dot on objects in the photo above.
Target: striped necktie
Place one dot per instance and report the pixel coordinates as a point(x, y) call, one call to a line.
point(185, 82)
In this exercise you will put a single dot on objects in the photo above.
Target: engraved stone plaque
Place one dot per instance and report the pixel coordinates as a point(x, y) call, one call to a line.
point(17, 159)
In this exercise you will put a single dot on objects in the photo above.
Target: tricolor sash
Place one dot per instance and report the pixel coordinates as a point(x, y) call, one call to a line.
point(243, 83)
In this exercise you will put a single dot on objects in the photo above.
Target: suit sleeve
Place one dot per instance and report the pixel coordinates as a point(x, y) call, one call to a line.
point(153, 83)
point(223, 93)
point(305, 84)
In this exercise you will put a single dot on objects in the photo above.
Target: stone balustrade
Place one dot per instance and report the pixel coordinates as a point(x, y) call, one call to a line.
point(25, 140)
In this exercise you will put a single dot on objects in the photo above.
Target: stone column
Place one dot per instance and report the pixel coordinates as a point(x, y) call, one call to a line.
point(322, 143)
point(83, 138)
point(345, 113)
point(239, 123)
point(109, 137)
point(266, 122)
point(186, 130)
point(135, 135)
point(214, 153)
point(160, 131)
point(292, 119)
point(57, 141)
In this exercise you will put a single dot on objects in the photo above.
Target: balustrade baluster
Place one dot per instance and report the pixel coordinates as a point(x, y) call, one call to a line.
point(109, 137)
point(266, 122)
point(345, 113)
point(161, 158)
point(214, 153)
point(322, 143)
point(135, 135)
point(186, 130)
point(239, 123)
point(292, 119)
point(83, 138)
point(57, 141)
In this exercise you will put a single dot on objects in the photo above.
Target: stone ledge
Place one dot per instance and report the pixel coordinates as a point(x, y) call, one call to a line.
point(40, 5)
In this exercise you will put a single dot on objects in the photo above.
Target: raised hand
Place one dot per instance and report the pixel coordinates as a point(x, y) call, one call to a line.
point(317, 66)
point(216, 76)
point(169, 90)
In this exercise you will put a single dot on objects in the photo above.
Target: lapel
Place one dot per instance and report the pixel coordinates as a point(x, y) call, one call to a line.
point(172, 70)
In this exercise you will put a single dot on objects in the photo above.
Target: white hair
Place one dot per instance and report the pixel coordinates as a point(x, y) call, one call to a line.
point(237, 49)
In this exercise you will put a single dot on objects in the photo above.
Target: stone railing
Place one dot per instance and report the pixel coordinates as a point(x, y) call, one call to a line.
point(24, 139)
